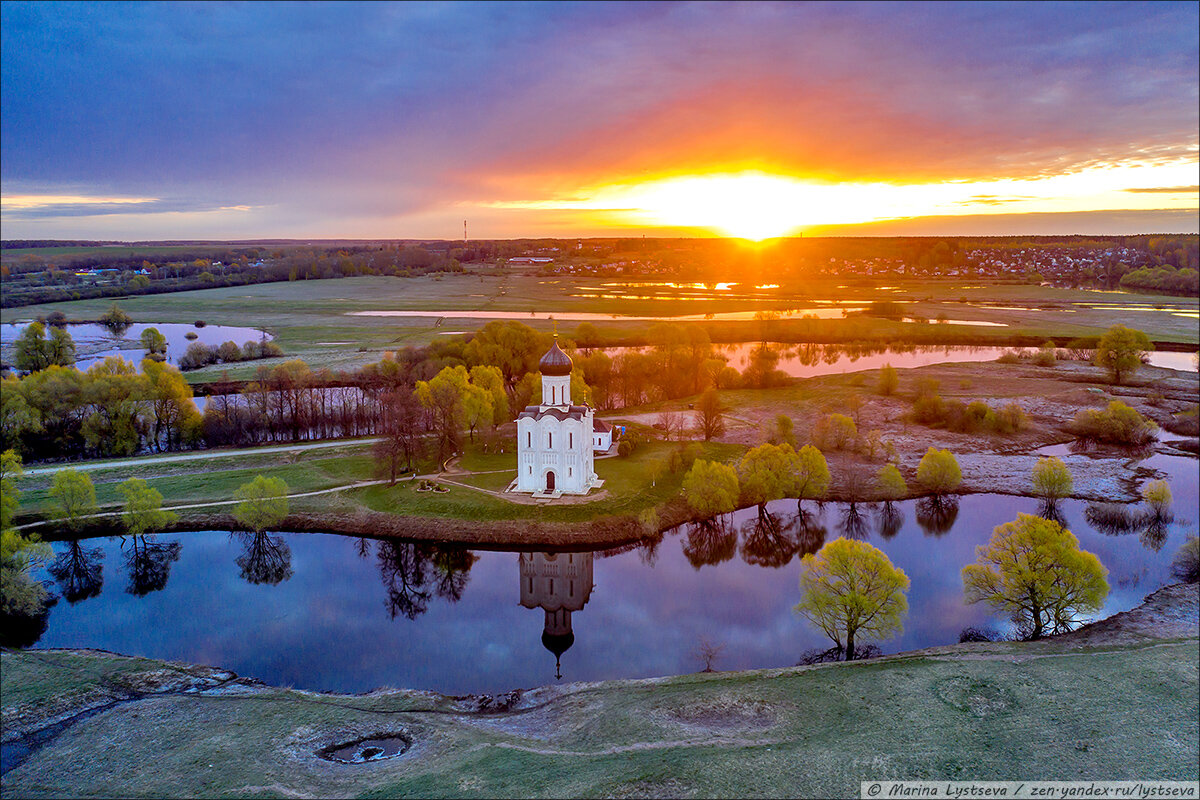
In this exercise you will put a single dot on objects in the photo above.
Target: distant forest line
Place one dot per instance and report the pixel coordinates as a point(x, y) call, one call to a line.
point(1166, 264)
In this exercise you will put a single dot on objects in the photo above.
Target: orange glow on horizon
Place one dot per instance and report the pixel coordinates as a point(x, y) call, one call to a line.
point(756, 205)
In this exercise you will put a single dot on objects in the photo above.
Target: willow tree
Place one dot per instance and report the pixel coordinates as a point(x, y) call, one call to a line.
point(1051, 479)
point(1120, 351)
point(263, 503)
point(710, 488)
point(1033, 570)
point(851, 591)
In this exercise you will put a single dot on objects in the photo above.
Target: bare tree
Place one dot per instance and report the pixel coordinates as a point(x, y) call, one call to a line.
point(708, 652)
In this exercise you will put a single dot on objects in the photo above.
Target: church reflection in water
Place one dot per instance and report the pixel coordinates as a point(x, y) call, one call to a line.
point(557, 583)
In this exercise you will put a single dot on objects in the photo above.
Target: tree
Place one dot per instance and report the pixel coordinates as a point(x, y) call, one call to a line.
point(31, 351)
point(890, 483)
point(711, 488)
point(116, 320)
point(1033, 570)
point(401, 440)
point(176, 418)
point(143, 507)
point(1120, 351)
point(491, 381)
point(712, 414)
point(17, 417)
point(154, 343)
point(61, 347)
point(117, 397)
point(1186, 564)
point(889, 381)
point(1158, 495)
point(812, 474)
point(938, 471)
point(850, 589)
point(767, 473)
point(75, 497)
point(842, 431)
point(784, 431)
point(10, 496)
point(1051, 479)
point(443, 395)
point(263, 503)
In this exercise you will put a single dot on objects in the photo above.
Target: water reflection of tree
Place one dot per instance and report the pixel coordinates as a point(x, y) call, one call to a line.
point(267, 559)
point(363, 547)
point(936, 514)
point(1049, 509)
point(890, 520)
point(23, 626)
point(79, 572)
point(810, 535)
point(149, 564)
point(1115, 519)
point(710, 542)
point(414, 572)
point(853, 523)
point(767, 541)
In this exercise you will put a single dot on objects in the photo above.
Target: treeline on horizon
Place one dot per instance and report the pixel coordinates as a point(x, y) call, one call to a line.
point(1154, 263)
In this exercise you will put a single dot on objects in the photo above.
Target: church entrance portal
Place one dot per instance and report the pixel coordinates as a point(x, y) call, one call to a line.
point(549, 482)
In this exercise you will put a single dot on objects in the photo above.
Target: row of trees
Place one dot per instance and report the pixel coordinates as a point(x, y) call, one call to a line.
point(110, 410)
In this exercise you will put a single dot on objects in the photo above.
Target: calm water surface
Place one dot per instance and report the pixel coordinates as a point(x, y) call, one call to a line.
point(328, 612)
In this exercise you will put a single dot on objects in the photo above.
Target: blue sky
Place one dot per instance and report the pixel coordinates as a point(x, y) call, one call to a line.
point(221, 120)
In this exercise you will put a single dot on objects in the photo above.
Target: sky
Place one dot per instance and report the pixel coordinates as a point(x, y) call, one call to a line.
point(239, 121)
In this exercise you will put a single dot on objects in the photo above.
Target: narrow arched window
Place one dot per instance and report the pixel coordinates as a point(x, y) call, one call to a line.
point(550, 440)
point(571, 441)
point(529, 439)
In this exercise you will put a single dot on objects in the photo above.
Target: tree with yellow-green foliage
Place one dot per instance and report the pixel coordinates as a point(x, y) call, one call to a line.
point(851, 591)
point(710, 488)
point(263, 505)
point(1158, 495)
point(143, 511)
point(74, 497)
point(1120, 351)
point(890, 483)
point(1051, 479)
point(812, 474)
point(1033, 570)
point(938, 471)
point(767, 473)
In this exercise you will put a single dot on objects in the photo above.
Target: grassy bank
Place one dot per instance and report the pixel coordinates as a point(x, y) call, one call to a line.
point(984, 712)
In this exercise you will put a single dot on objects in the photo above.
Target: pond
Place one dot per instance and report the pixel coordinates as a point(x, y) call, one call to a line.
point(809, 360)
point(94, 343)
point(329, 612)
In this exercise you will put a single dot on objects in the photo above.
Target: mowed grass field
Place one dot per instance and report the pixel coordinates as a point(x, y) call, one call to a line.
point(1008, 711)
point(312, 320)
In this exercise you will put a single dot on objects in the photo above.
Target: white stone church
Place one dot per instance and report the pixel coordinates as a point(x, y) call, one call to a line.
point(555, 439)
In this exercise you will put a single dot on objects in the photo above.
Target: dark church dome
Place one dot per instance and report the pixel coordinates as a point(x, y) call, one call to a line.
point(555, 362)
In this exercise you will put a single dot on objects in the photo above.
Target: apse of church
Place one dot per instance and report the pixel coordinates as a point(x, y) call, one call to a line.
point(559, 584)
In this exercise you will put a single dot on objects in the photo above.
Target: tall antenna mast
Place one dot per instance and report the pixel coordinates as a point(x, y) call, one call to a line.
point(464, 231)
